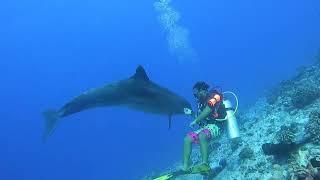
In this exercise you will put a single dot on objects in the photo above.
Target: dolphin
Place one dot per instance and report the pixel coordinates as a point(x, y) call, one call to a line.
point(136, 92)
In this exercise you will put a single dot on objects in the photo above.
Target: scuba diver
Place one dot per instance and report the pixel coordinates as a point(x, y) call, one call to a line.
point(213, 113)
point(211, 119)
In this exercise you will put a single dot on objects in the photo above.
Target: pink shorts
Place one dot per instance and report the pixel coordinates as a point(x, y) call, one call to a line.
point(195, 136)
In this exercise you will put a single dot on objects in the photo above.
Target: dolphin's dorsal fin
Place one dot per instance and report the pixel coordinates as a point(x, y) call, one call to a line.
point(140, 74)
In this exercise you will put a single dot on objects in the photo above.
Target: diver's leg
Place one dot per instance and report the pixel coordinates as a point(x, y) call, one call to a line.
point(204, 147)
point(187, 148)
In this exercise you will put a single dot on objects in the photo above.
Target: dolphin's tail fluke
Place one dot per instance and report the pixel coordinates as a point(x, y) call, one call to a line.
point(51, 119)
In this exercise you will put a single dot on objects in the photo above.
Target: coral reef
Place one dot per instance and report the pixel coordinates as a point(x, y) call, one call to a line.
point(302, 166)
point(298, 92)
point(235, 143)
point(278, 172)
point(312, 127)
point(287, 134)
point(246, 153)
point(304, 96)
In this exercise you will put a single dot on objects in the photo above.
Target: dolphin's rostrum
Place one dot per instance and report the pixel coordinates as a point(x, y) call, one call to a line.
point(137, 92)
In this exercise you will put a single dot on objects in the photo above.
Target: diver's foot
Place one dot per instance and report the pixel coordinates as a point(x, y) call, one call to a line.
point(203, 168)
point(185, 168)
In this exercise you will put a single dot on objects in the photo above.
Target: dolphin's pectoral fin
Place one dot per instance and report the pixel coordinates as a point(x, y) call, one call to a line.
point(170, 121)
point(140, 74)
point(51, 118)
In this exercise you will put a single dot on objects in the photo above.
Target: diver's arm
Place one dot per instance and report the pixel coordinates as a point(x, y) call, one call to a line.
point(204, 113)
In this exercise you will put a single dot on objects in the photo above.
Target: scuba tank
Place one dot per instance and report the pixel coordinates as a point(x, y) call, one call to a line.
point(232, 123)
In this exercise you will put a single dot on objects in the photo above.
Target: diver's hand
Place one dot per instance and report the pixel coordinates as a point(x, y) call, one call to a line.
point(187, 111)
point(192, 124)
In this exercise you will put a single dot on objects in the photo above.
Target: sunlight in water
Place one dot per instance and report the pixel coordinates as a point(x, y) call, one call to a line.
point(177, 35)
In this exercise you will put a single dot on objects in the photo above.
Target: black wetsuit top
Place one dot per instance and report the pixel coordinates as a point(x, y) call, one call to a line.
point(218, 108)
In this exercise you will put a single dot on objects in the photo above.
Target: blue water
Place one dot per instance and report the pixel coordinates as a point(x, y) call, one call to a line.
point(51, 51)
